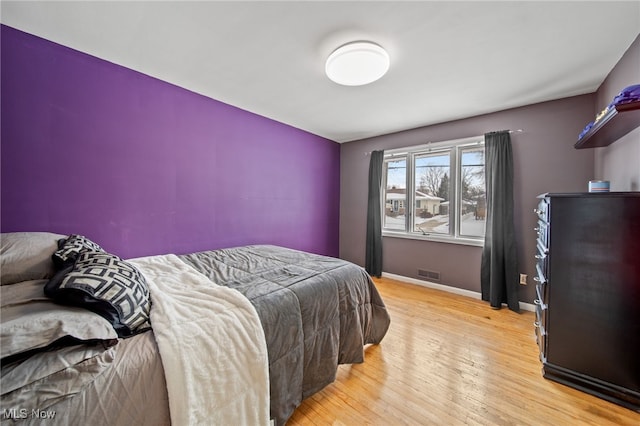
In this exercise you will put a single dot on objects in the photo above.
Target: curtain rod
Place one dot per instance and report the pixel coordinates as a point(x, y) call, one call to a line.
point(510, 132)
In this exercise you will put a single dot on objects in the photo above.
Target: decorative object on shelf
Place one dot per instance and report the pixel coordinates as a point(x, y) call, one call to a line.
point(620, 117)
point(598, 186)
point(629, 94)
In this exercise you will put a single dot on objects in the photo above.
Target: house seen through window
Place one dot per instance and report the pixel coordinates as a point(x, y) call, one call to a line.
point(436, 191)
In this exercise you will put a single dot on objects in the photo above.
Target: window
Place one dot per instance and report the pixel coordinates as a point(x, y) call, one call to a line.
point(395, 194)
point(444, 182)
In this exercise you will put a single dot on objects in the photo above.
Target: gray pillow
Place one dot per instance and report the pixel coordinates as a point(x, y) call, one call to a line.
point(47, 378)
point(32, 322)
point(27, 256)
point(44, 364)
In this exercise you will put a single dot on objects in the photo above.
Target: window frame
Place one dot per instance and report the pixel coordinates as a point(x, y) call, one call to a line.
point(454, 148)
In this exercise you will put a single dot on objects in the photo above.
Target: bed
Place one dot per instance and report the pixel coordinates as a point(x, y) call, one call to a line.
point(230, 336)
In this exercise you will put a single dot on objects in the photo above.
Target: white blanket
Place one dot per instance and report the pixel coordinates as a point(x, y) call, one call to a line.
point(212, 346)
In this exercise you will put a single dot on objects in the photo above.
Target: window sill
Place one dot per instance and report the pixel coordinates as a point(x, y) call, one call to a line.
point(435, 238)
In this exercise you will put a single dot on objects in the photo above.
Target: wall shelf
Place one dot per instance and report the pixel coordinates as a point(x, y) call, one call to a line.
point(618, 121)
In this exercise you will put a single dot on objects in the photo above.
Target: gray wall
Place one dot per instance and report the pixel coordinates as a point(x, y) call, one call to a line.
point(544, 160)
point(620, 162)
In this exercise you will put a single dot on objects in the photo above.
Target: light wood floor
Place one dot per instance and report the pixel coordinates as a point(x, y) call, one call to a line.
point(452, 360)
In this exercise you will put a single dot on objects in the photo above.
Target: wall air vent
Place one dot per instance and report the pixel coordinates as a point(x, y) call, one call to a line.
point(428, 275)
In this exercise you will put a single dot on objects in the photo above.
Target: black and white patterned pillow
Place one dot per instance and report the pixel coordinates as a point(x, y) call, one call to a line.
point(69, 249)
point(108, 286)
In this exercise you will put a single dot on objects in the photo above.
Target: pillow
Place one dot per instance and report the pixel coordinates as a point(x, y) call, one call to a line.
point(108, 286)
point(32, 323)
point(69, 249)
point(47, 378)
point(26, 256)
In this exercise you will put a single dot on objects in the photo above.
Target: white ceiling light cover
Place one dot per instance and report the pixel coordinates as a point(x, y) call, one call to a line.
point(357, 63)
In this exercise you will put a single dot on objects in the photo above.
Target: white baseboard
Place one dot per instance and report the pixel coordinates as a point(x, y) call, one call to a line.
point(455, 290)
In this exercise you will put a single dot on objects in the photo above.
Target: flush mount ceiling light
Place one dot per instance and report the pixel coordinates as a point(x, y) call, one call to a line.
point(357, 63)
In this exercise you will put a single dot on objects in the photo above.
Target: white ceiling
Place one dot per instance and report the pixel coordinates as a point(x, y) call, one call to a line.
point(449, 60)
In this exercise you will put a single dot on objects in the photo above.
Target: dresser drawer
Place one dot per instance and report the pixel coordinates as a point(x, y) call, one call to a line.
point(542, 258)
point(542, 233)
point(542, 296)
point(542, 306)
point(541, 332)
point(541, 277)
point(542, 210)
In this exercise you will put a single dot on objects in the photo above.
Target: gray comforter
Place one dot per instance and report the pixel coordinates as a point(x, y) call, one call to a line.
point(316, 311)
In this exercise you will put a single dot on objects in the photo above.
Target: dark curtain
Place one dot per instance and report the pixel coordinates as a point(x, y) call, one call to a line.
point(373, 258)
point(499, 268)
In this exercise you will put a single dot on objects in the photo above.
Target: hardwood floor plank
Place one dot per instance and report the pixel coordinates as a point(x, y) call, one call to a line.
point(452, 360)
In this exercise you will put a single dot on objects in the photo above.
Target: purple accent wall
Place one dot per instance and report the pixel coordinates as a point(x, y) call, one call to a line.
point(144, 167)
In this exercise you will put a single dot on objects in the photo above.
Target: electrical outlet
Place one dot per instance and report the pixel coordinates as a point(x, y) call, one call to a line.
point(523, 279)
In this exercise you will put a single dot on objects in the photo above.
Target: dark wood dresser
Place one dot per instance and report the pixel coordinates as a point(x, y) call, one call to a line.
point(588, 293)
